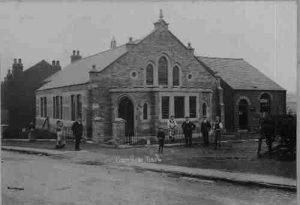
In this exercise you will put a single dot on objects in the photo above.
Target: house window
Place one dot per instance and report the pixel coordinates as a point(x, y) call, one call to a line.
point(179, 107)
point(176, 76)
point(192, 106)
point(149, 75)
point(61, 107)
point(72, 107)
point(204, 109)
point(43, 107)
point(79, 107)
point(57, 107)
point(165, 107)
point(145, 111)
point(163, 71)
point(54, 107)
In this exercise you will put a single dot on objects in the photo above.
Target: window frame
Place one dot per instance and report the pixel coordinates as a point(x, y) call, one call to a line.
point(146, 75)
point(179, 75)
point(167, 71)
point(168, 106)
point(183, 108)
point(195, 108)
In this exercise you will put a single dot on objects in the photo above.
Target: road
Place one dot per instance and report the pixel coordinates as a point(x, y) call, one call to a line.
point(39, 180)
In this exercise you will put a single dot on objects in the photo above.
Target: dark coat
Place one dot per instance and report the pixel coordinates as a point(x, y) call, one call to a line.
point(161, 137)
point(188, 128)
point(77, 129)
point(205, 126)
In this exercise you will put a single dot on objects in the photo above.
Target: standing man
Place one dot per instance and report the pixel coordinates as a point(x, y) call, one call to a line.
point(218, 126)
point(77, 132)
point(172, 125)
point(187, 128)
point(205, 128)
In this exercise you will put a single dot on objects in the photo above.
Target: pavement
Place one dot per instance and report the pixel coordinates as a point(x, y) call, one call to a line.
point(233, 177)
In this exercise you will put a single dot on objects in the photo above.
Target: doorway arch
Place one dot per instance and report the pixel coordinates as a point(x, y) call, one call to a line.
point(126, 112)
point(243, 114)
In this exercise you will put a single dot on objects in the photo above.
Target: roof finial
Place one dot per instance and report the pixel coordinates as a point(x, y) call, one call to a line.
point(161, 14)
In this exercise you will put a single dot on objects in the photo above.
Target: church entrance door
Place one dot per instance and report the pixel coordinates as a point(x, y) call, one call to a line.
point(126, 112)
point(243, 115)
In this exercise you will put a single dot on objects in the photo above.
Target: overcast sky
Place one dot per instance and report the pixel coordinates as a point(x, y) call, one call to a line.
point(263, 33)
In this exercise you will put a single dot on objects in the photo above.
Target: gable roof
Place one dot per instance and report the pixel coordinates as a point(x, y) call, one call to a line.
point(239, 74)
point(78, 72)
point(42, 63)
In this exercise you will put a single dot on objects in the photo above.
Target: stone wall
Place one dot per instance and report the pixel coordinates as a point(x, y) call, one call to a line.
point(66, 93)
point(278, 105)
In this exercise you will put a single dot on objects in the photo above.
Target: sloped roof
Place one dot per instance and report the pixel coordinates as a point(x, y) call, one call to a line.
point(78, 72)
point(37, 65)
point(239, 74)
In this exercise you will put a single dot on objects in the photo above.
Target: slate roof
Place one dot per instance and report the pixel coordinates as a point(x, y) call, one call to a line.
point(239, 74)
point(78, 72)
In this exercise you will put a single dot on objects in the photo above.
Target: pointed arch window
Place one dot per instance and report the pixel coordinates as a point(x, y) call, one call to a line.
point(149, 75)
point(163, 71)
point(176, 76)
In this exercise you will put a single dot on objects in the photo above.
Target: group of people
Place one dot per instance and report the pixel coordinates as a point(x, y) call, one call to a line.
point(187, 129)
point(77, 130)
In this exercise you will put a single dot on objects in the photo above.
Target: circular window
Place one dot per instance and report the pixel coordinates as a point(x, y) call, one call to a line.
point(190, 76)
point(133, 74)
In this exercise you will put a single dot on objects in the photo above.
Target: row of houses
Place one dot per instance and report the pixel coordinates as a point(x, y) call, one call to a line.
point(132, 89)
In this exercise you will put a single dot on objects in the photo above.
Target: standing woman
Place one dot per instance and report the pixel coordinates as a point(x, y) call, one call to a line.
point(218, 127)
point(59, 134)
point(172, 125)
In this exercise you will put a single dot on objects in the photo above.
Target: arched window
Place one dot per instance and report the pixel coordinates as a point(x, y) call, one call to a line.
point(149, 75)
point(145, 111)
point(163, 71)
point(204, 109)
point(265, 103)
point(176, 76)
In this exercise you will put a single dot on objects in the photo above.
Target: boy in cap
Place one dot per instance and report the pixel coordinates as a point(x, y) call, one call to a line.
point(161, 139)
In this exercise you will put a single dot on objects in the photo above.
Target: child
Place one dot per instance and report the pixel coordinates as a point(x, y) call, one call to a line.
point(161, 139)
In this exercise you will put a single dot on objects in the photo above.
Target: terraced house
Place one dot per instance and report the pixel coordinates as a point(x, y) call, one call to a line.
point(132, 89)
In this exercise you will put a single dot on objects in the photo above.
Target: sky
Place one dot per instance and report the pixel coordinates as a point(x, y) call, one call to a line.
point(263, 33)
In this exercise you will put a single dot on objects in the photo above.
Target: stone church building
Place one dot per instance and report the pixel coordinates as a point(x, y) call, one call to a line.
point(132, 89)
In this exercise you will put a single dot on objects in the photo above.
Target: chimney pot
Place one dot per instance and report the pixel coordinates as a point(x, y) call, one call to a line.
point(77, 52)
point(20, 61)
point(130, 39)
point(74, 52)
point(15, 61)
point(57, 63)
point(53, 63)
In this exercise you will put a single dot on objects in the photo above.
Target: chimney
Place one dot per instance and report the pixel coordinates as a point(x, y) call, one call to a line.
point(113, 43)
point(189, 47)
point(17, 67)
point(93, 69)
point(130, 44)
point(76, 56)
point(53, 63)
